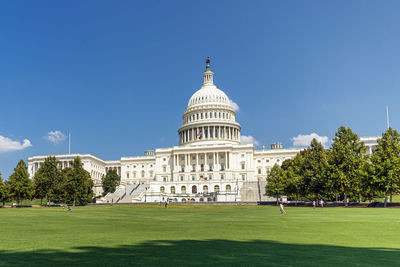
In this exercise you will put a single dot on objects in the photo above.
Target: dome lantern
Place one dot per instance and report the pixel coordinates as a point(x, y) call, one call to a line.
point(208, 74)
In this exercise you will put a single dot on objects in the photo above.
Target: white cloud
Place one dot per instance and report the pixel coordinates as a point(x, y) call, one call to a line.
point(7, 145)
point(234, 105)
point(249, 140)
point(55, 137)
point(304, 140)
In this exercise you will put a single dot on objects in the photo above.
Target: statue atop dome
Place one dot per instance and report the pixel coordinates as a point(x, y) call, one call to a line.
point(208, 64)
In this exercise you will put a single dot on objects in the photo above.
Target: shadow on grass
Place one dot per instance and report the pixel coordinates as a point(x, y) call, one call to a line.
point(206, 252)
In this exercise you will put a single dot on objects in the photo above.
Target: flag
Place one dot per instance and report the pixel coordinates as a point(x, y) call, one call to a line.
point(200, 134)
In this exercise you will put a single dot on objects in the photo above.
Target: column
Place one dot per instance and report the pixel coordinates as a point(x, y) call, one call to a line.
point(227, 160)
point(197, 161)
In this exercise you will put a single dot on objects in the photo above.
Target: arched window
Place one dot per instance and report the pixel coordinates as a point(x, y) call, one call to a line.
point(172, 189)
point(216, 188)
point(205, 189)
point(228, 188)
point(194, 189)
point(183, 189)
point(162, 189)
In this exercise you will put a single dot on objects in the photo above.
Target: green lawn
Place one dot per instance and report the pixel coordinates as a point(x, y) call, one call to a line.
point(200, 235)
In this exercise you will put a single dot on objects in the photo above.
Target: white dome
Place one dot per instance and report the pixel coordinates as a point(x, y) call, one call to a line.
point(209, 94)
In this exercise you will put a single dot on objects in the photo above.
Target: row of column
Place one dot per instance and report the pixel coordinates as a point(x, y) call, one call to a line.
point(209, 133)
point(117, 169)
point(215, 161)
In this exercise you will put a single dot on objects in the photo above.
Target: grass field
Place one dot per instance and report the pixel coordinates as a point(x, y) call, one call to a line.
point(200, 235)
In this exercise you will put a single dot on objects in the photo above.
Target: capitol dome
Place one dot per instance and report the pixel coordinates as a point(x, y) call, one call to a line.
point(209, 115)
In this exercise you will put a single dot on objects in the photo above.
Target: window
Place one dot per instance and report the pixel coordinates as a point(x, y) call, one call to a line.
point(127, 175)
point(164, 168)
point(162, 189)
point(243, 166)
point(209, 157)
point(181, 178)
point(183, 168)
point(202, 157)
point(164, 179)
point(210, 177)
point(267, 160)
point(197, 116)
point(228, 188)
point(216, 188)
point(164, 159)
point(202, 167)
point(193, 158)
point(205, 189)
point(172, 189)
point(259, 171)
point(210, 167)
point(243, 177)
point(193, 167)
point(222, 156)
point(193, 177)
point(142, 174)
point(242, 155)
point(222, 177)
point(259, 161)
point(183, 158)
point(134, 174)
point(151, 174)
point(194, 189)
point(183, 189)
point(222, 166)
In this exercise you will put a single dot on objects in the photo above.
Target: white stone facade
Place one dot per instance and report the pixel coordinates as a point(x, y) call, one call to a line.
point(209, 164)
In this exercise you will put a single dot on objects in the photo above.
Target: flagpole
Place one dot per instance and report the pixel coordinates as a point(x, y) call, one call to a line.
point(69, 143)
point(387, 116)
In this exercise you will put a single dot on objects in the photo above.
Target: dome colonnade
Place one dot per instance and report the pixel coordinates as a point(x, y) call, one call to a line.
point(209, 115)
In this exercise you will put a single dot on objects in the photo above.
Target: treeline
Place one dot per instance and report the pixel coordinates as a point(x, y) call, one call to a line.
point(70, 185)
point(344, 172)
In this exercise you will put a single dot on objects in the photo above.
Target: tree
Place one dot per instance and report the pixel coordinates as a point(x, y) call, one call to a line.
point(314, 170)
point(46, 178)
point(78, 184)
point(386, 160)
point(276, 182)
point(110, 182)
point(3, 190)
point(346, 161)
point(20, 185)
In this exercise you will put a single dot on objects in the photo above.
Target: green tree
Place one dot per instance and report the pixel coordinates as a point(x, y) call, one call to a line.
point(346, 161)
point(78, 184)
point(110, 182)
point(276, 182)
point(46, 178)
point(386, 160)
point(3, 190)
point(314, 170)
point(20, 185)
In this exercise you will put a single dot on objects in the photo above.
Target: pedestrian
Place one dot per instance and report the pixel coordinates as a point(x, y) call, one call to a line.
point(160, 203)
point(321, 203)
point(313, 204)
point(282, 209)
point(166, 203)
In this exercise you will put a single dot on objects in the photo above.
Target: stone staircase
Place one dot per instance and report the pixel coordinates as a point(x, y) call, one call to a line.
point(136, 195)
point(126, 194)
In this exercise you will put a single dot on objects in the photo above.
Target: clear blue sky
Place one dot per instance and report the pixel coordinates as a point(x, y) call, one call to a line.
point(118, 74)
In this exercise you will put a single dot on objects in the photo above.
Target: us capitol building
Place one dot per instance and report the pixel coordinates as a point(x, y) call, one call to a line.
point(209, 164)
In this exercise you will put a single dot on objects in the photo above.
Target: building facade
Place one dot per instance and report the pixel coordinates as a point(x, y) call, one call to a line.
point(209, 163)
